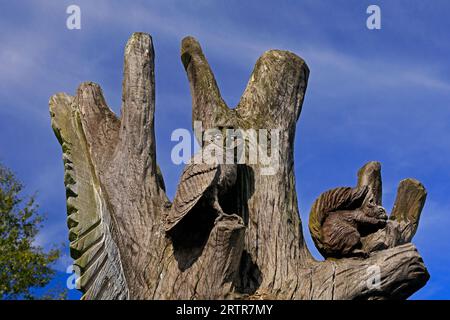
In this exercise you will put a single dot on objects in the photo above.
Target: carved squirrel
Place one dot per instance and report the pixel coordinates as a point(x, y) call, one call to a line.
point(340, 217)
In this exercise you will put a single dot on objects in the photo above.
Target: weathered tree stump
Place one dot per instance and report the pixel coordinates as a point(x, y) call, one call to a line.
point(117, 205)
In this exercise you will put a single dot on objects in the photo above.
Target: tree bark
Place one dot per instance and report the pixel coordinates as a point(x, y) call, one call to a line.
point(116, 201)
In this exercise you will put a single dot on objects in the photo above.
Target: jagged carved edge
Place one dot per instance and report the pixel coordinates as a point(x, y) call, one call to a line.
point(91, 245)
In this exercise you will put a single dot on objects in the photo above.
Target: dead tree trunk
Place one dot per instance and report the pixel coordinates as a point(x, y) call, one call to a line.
point(116, 199)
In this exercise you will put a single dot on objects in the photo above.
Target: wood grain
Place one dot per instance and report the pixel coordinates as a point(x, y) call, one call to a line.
point(117, 204)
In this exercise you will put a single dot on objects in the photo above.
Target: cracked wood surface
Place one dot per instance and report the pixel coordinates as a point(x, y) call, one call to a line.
point(115, 192)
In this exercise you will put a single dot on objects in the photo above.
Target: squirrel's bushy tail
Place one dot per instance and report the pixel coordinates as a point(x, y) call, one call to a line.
point(342, 198)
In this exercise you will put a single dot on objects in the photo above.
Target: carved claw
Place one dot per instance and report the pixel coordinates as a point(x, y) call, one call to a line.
point(229, 217)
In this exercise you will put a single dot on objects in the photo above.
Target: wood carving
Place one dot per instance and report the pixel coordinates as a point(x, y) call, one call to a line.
point(205, 180)
point(118, 211)
point(339, 218)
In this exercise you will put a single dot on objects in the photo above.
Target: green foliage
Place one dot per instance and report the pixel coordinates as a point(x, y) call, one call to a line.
point(23, 265)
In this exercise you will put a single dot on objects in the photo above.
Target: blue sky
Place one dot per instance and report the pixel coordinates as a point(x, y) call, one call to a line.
point(373, 95)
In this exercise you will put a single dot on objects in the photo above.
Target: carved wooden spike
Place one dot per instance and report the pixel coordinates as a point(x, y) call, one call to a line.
point(404, 218)
point(206, 99)
point(138, 99)
point(370, 175)
point(411, 196)
point(117, 204)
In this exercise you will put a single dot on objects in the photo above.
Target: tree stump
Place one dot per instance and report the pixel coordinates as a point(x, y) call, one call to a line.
point(116, 201)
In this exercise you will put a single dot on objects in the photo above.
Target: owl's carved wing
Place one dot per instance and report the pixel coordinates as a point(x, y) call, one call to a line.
point(195, 180)
point(96, 254)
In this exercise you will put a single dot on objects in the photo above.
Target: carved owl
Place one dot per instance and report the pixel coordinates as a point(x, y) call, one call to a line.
point(195, 181)
point(201, 182)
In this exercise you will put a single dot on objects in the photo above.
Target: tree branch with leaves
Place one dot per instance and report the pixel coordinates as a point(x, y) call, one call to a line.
point(23, 264)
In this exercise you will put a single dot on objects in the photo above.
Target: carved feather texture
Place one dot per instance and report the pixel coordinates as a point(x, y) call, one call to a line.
point(194, 182)
point(332, 200)
point(91, 245)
